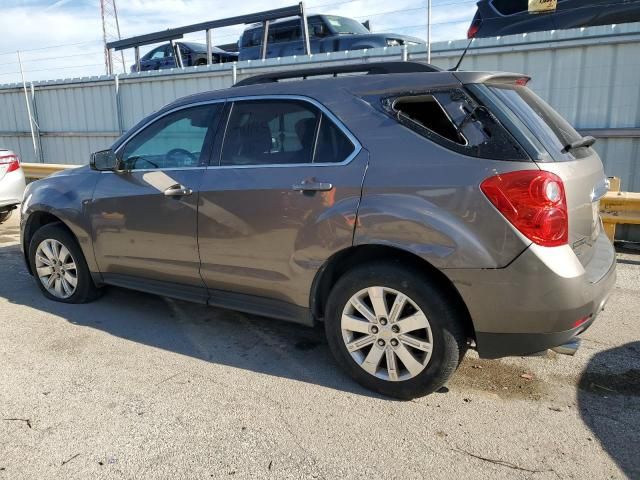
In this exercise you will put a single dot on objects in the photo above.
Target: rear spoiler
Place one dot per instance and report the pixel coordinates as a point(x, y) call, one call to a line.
point(492, 77)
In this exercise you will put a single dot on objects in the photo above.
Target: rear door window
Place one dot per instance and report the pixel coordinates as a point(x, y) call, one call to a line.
point(282, 132)
point(455, 121)
point(333, 145)
point(284, 33)
point(252, 37)
point(548, 126)
point(267, 132)
point(509, 7)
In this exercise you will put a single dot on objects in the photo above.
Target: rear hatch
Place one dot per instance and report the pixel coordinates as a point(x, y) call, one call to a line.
point(556, 147)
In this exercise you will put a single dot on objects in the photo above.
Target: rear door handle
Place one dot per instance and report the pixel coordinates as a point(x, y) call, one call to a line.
point(177, 191)
point(312, 186)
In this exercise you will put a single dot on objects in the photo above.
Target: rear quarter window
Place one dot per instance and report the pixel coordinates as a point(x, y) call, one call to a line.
point(455, 121)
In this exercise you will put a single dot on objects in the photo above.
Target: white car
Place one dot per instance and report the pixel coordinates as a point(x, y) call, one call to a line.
point(12, 183)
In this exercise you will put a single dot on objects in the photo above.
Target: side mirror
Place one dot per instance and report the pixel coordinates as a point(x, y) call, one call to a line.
point(318, 30)
point(104, 160)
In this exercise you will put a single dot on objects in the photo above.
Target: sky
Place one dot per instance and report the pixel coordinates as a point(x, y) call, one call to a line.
point(63, 38)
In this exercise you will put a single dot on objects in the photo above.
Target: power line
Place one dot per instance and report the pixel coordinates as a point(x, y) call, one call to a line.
point(55, 68)
point(57, 57)
point(51, 47)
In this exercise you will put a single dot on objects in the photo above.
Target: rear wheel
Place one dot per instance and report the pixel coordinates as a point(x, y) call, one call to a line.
point(394, 330)
point(59, 266)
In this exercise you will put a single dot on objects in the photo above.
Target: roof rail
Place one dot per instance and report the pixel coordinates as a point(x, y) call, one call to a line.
point(377, 68)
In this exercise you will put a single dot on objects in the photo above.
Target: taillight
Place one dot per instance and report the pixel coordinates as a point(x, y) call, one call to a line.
point(12, 161)
point(534, 202)
point(473, 29)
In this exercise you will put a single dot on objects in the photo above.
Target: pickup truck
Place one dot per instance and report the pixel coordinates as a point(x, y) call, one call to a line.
point(327, 33)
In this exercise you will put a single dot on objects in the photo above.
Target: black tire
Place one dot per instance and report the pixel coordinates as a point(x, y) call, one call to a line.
point(443, 312)
point(85, 291)
point(200, 62)
point(4, 216)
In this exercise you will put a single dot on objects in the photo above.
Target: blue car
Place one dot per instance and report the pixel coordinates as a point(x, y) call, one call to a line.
point(192, 54)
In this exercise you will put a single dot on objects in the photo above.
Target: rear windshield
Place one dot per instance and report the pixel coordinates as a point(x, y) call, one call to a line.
point(342, 25)
point(553, 131)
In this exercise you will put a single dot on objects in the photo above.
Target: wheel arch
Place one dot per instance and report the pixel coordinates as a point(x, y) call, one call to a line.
point(349, 258)
point(35, 222)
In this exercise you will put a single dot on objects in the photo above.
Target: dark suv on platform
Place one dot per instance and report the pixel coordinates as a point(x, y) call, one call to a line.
point(415, 212)
point(508, 17)
point(327, 33)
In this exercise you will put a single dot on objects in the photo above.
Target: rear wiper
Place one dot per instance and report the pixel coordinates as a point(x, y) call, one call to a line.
point(583, 142)
point(470, 115)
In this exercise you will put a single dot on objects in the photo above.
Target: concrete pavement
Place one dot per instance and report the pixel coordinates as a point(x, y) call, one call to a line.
point(139, 386)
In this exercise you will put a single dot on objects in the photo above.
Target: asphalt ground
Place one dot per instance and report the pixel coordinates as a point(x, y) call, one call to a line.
point(140, 386)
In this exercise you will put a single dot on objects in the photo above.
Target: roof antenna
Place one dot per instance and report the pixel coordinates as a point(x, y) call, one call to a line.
point(455, 69)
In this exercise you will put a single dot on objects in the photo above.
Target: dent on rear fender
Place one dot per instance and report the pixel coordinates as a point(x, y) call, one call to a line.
point(413, 223)
point(323, 235)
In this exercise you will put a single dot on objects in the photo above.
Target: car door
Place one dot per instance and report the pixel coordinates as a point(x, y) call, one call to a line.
point(151, 61)
point(280, 200)
point(168, 60)
point(144, 216)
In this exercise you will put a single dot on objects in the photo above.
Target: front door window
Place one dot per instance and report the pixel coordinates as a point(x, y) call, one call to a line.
point(175, 141)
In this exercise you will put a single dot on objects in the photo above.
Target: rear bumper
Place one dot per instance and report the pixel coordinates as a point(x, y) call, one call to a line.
point(12, 187)
point(535, 303)
point(498, 345)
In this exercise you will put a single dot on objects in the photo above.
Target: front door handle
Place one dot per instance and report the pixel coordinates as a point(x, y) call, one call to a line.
point(177, 191)
point(312, 186)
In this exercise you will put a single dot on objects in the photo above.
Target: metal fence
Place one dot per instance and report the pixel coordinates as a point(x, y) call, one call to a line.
point(591, 76)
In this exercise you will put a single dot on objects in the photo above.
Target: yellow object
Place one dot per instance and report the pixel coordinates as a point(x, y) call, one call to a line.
point(41, 170)
point(619, 208)
point(542, 6)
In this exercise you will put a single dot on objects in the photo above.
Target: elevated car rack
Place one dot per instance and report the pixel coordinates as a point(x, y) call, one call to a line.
point(378, 68)
point(172, 34)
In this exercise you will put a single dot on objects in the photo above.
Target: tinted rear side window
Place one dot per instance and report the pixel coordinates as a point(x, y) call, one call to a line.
point(333, 145)
point(553, 131)
point(509, 7)
point(457, 122)
point(252, 37)
point(267, 132)
point(282, 132)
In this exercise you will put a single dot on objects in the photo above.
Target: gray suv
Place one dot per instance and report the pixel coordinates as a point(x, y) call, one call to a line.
point(416, 212)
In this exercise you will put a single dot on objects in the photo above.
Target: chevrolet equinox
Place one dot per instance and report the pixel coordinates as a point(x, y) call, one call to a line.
point(415, 212)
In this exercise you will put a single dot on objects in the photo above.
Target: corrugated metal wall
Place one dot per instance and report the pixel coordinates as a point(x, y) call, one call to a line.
point(591, 76)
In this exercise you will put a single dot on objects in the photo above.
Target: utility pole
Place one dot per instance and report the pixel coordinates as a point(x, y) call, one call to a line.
point(428, 31)
point(28, 103)
point(110, 31)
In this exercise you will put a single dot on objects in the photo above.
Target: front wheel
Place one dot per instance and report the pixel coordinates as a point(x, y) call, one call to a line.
point(59, 266)
point(394, 330)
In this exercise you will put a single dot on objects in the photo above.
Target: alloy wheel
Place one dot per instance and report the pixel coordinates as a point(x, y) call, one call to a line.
point(386, 333)
point(56, 268)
